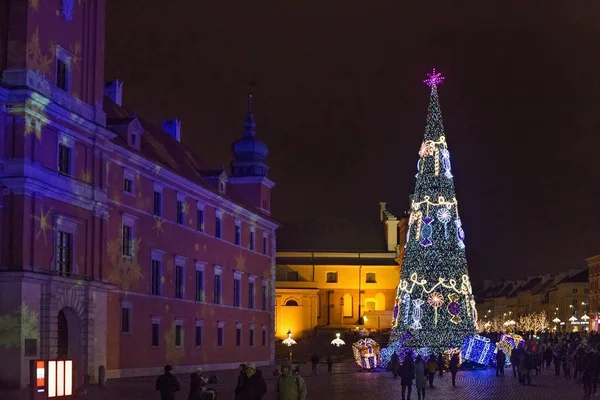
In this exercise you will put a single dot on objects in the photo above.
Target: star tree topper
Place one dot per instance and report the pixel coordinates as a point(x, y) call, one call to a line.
point(434, 80)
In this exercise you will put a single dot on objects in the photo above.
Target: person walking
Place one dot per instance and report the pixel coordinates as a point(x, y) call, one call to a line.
point(454, 368)
point(240, 382)
point(395, 364)
point(197, 383)
point(290, 386)
point(314, 360)
point(440, 364)
point(420, 377)
point(500, 361)
point(167, 384)
point(407, 374)
point(329, 363)
point(431, 368)
point(254, 386)
point(514, 361)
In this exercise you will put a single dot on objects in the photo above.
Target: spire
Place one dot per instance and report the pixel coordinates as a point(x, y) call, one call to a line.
point(434, 128)
point(249, 125)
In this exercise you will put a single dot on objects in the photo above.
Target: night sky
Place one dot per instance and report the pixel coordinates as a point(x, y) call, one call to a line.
point(341, 105)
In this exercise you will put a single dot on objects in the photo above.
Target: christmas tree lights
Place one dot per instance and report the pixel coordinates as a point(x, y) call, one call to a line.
point(434, 298)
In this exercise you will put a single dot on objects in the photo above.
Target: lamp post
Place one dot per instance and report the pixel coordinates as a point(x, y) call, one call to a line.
point(337, 342)
point(289, 342)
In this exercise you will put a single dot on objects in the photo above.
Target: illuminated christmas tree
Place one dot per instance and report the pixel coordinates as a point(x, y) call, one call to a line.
point(434, 300)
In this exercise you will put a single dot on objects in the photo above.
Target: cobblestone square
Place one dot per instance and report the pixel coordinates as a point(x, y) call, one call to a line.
point(347, 384)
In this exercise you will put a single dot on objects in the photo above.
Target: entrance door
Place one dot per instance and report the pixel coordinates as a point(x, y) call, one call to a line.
point(69, 342)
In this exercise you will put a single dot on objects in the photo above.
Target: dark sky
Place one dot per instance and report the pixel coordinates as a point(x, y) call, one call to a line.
point(341, 104)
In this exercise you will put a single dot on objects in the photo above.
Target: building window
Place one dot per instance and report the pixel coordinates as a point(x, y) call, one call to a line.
point(251, 295)
point(291, 303)
point(157, 204)
point(238, 336)
point(264, 297)
point(133, 139)
point(155, 334)
point(264, 337)
point(292, 276)
point(332, 277)
point(64, 252)
point(180, 213)
point(236, 292)
point(371, 277)
point(264, 249)
point(61, 75)
point(574, 291)
point(199, 285)
point(64, 159)
point(252, 241)
point(178, 333)
point(200, 220)
point(220, 336)
point(127, 185)
point(238, 235)
point(251, 338)
point(217, 289)
point(155, 278)
point(218, 227)
point(125, 318)
point(127, 241)
point(198, 340)
point(178, 282)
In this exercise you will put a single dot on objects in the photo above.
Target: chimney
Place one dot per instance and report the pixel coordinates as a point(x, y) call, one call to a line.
point(173, 128)
point(382, 209)
point(114, 90)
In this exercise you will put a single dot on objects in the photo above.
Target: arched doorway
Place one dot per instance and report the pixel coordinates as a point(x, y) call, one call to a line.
point(69, 342)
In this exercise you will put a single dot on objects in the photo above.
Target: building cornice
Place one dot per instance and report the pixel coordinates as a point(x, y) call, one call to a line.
point(321, 254)
point(252, 179)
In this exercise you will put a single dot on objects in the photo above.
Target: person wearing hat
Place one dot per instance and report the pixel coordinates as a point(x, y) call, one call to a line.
point(240, 382)
point(290, 386)
point(254, 386)
point(167, 384)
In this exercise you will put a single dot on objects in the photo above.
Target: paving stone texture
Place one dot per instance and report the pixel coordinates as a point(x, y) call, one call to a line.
point(344, 383)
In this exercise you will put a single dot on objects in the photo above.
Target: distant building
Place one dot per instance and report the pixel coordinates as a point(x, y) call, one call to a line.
point(594, 288)
point(337, 272)
point(119, 247)
point(561, 296)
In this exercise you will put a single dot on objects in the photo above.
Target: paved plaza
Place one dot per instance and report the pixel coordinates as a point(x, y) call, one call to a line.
point(347, 384)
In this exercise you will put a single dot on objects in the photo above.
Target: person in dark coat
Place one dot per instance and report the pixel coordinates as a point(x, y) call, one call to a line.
point(395, 362)
point(500, 361)
point(314, 360)
point(329, 363)
point(454, 368)
point(167, 384)
point(407, 374)
point(197, 383)
point(254, 386)
point(440, 362)
point(240, 382)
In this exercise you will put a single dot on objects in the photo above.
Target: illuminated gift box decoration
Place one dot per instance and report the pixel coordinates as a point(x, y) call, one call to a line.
point(367, 353)
point(478, 349)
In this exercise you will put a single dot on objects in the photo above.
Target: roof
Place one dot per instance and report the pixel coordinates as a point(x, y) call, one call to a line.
point(580, 277)
point(335, 261)
point(162, 149)
point(332, 234)
point(530, 284)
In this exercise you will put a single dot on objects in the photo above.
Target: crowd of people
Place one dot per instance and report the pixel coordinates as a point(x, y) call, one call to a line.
point(250, 384)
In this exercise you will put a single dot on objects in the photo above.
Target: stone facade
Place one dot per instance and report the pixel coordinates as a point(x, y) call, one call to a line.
point(119, 246)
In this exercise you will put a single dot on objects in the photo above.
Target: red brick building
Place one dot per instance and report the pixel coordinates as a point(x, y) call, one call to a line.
point(119, 246)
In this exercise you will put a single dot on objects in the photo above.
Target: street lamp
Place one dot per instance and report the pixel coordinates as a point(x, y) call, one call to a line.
point(289, 342)
point(337, 342)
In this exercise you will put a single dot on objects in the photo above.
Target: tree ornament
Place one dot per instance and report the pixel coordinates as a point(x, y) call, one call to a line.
point(426, 232)
point(435, 300)
point(406, 300)
point(395, 314)
point(443, 215)
point(417, 313)
point(454, 308)
point(460, 233)
point(446, 163)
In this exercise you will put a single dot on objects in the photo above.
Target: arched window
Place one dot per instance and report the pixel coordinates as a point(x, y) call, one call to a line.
point(291, 303)
point(347, 305)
